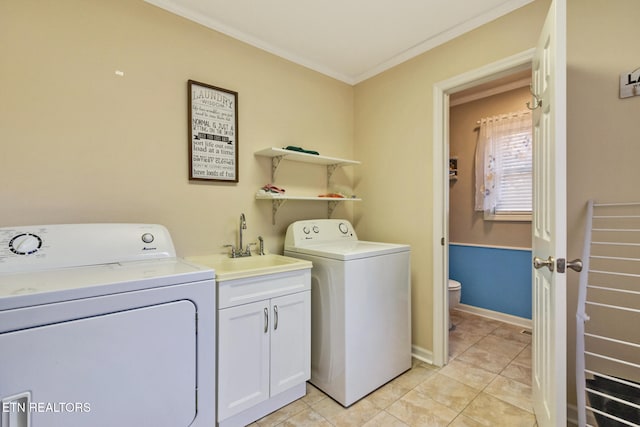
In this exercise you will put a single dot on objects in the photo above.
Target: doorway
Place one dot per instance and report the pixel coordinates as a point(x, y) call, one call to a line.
point(495, 111)
point(549, 71)
point(442, 92)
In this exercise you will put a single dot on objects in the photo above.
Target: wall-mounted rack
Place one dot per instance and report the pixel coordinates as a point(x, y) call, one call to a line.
point(279, 154)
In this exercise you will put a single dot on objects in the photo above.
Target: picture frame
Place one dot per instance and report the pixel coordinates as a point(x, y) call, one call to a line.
point(213, 133)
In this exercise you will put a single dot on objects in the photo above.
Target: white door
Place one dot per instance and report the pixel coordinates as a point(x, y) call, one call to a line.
point(131, 368)
point(290, 341)
point(243, 357)
point(549, 220)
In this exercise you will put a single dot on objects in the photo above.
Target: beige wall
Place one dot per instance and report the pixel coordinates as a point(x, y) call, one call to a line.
point(394, 140)
point(603, 131)
point(465, 224)
point(80, 144)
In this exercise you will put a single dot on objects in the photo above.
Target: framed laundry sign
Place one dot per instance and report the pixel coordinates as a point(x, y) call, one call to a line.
point(630, 84)
point(213, 133)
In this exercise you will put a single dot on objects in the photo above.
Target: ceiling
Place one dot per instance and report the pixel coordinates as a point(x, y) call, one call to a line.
point(349, 40)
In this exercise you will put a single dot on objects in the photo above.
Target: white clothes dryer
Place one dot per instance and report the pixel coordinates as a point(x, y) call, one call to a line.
point(101, 325)
point(360, 307)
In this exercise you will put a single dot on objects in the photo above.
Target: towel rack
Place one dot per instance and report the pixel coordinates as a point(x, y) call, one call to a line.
point(608, 317)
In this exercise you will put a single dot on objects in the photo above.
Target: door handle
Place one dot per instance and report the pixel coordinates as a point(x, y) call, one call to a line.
point(275, 317)
point(575, 265)
point(266, 320)
point(538, 263)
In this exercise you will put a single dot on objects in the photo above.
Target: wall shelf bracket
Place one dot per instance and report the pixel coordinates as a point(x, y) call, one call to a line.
point(275, 205)
point(331, 206)
point(275, 162)
point(330, 170)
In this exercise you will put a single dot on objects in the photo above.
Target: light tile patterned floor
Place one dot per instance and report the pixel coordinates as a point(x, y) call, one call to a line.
point(486, 383)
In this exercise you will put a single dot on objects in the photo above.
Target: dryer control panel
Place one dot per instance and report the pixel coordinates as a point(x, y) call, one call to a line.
point(41, 247)
point(314, 231)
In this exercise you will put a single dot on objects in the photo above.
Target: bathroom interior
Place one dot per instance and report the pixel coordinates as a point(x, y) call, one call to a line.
point(488, 259)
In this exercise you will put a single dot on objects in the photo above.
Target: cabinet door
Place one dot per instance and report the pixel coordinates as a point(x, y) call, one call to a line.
point(243, 357)
point(290, 341)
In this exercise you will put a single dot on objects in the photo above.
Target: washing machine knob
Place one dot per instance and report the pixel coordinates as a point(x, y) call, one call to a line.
point(344, 228)
point(25, 244)
point(316, 229)
point(147, 237)
point(306, 229)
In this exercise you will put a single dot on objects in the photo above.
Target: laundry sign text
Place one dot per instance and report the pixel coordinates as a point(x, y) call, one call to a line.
point(630, 84)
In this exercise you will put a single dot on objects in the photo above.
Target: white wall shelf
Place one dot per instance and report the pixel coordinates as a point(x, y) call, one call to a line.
point(277, 200)
point(279, 154)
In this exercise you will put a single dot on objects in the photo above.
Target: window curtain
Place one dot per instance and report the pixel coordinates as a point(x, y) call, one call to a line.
point(494, 131)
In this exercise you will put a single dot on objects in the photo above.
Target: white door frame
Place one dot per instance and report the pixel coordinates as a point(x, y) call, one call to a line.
point(441, 92)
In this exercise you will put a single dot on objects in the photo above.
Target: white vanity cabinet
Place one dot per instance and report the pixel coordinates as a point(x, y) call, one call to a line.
point(264, 344)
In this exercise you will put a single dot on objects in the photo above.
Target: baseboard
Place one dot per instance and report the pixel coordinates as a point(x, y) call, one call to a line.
point(494, 315)
point(422, 354)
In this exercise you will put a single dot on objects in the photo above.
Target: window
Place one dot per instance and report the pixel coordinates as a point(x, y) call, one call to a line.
point(504, 167)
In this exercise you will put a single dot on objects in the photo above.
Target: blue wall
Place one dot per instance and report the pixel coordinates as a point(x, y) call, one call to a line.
point(493, 279)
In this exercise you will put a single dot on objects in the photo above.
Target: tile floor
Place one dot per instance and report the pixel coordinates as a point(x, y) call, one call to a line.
point(486, 383)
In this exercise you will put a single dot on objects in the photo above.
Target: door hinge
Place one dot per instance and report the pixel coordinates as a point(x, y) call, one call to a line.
point(442, 241)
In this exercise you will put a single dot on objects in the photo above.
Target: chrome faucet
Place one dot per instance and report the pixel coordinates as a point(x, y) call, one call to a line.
point(240, 252)
point(243, 226)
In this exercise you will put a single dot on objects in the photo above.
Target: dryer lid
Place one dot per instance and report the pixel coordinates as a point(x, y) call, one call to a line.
point(335, 239)
point(64, 284)
point(349, 250)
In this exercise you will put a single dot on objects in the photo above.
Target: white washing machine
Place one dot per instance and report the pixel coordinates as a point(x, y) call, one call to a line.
point(360, 307)
point(101, 325)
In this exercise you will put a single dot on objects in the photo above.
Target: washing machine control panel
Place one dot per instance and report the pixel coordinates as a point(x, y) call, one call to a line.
point(319, 230)
point(39, 247)
point(22, 242)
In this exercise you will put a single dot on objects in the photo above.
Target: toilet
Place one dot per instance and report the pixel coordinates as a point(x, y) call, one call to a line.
point(455, 289)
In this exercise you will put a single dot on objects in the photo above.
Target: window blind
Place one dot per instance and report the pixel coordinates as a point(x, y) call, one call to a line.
point(515, 156)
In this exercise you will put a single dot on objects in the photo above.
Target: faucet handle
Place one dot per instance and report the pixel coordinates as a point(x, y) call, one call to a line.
point(233, 250)
point(247, 251)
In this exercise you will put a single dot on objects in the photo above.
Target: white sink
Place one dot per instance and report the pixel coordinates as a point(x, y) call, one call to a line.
point(257, 265)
